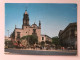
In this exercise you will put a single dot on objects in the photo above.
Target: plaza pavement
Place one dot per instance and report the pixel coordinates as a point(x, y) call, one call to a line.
point(40, 52)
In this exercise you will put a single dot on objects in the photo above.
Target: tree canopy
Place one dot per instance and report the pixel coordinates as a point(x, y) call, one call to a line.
point(55, 40)
point(31, 39)
point(42, 43)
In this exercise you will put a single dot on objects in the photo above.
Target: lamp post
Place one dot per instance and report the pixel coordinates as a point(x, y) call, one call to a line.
point(8, 33)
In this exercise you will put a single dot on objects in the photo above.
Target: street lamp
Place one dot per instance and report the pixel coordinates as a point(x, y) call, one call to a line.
point(8, 33)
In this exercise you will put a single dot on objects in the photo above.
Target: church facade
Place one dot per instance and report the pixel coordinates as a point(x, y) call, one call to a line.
point(27, 29)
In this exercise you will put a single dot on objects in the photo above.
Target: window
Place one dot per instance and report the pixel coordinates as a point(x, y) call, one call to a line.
point(75, 31)
point(18, 34)
point(42, 38)
point(75, 28)
point(72, 32)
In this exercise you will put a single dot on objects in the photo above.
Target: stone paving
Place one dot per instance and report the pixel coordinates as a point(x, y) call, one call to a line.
point(40, 52)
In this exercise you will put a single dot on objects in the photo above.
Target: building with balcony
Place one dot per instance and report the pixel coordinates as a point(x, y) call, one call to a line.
point(68, 36)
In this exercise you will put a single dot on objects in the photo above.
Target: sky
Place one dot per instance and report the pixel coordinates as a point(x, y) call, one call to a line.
point(53, 16)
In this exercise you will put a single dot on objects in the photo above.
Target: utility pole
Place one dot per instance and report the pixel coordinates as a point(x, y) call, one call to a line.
point(8, 33)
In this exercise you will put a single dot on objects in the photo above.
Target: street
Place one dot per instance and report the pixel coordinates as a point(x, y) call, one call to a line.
point(39, 52)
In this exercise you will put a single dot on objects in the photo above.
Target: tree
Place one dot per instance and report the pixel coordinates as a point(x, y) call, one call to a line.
point(48, 42)
point(42, 43)
point(31, 39)
point(24, 37)
point(55, 40)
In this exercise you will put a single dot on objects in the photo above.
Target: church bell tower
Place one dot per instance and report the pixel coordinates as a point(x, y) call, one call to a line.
point(25, 19)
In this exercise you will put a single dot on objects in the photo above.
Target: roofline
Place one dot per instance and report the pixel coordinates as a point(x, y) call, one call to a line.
point(75, 23)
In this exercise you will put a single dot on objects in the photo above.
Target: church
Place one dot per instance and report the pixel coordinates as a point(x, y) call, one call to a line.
point(26, 29)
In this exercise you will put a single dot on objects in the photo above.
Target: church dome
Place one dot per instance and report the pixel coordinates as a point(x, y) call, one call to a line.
point(34, 25)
